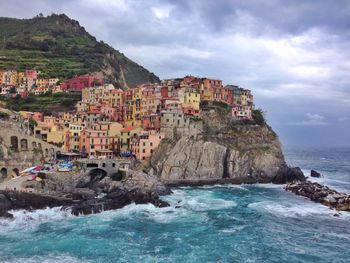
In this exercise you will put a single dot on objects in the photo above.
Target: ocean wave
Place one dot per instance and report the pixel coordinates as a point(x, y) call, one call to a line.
point(28, 220)
point(216, 186)
point(184, 206)
point(296, 209)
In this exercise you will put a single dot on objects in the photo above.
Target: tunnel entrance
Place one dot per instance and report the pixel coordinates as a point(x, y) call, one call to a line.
point(97, 175)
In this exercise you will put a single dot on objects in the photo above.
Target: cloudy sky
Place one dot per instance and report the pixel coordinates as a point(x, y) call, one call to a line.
point(293, 55)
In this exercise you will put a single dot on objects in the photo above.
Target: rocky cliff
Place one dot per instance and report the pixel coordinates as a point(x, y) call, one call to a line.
point(223, 152)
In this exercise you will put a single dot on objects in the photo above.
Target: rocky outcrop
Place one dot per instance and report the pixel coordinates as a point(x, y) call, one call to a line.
point(314, 173)
point(83, 194)
point(320, 194)
point(223, 153)
point(12, 200)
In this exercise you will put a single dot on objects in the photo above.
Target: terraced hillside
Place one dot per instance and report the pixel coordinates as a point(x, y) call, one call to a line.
point(59, 47)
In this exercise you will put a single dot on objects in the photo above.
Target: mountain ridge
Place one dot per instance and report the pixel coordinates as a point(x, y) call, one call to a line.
point(59, 46)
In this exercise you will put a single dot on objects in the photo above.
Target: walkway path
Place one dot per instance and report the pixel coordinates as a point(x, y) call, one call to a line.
point(14, 183)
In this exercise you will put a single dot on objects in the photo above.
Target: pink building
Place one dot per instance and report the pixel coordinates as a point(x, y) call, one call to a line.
point(146, 144)
point(31, 74)
point(113, 114)
point(37, 116)
point(97, 143)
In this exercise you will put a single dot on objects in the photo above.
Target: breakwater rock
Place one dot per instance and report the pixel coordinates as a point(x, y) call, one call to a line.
point(320, 194)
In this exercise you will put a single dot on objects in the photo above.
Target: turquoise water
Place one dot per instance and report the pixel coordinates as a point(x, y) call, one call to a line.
point(247, 223)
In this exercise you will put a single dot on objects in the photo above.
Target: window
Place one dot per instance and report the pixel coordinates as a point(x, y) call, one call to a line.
point(143, 150)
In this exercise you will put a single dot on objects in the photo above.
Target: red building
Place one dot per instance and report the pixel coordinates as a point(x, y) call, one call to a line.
point(81, 82)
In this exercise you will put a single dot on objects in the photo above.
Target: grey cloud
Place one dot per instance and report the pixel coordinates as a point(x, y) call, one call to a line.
point(293, 54)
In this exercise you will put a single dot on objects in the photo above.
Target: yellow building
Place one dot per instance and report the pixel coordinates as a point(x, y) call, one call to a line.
point(191, 98)
point(115, 98)
point(56, 135)
point(2, 77)
point(42, 82)
point(74, 135)
point(85, 95)
point(14, 78)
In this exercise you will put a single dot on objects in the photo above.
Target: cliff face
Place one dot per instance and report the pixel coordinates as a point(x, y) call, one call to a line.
point(222, 153)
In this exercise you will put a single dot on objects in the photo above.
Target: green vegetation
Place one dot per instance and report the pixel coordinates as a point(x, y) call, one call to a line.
point(47, 103)
point(59, 47)
point(259, 117)
point(4, 115)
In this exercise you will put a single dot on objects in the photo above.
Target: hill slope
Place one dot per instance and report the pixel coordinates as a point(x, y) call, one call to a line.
point(60, 47)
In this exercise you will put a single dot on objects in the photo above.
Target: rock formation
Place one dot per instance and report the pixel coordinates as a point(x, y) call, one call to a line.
point(223, 152)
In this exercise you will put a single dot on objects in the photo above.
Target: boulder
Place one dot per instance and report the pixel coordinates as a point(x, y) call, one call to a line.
point(315, 174)
point(288, 174)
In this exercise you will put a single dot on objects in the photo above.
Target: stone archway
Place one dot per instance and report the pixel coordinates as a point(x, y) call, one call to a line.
point(14, 143)
point(15, 172)
point(97, 174)
point(24, 145)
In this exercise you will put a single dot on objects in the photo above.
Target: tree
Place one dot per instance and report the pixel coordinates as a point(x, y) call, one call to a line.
point(32, 124)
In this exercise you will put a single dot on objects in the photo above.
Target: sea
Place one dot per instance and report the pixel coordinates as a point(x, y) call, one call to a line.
point(230, 223)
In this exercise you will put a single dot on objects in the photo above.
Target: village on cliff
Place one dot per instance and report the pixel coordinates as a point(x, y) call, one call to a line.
point(111, 122)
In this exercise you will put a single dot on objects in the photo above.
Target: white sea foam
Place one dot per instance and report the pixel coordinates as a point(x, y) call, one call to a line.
point(237, 186)
point(29, 220)
point(233, 229)
point(46, 259)
point(269, 185)
point(301, 208)
point(188, 206)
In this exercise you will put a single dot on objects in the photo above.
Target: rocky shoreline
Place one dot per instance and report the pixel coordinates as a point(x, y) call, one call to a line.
point(320, 194)
point(84, 195)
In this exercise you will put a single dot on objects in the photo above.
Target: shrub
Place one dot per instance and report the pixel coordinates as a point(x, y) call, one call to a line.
point(259, 117)
point(4, 115)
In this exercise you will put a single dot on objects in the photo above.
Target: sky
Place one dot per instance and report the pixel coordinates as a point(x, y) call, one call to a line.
point(293, 55)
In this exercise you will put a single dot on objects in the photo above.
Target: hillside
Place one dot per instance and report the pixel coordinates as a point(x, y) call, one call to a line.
point(49, 104)
point(59, 47)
